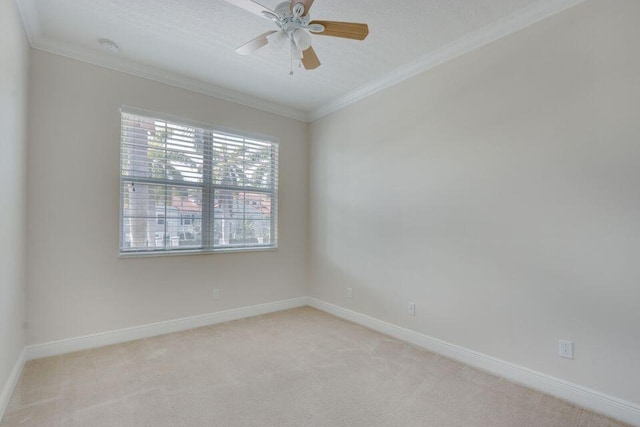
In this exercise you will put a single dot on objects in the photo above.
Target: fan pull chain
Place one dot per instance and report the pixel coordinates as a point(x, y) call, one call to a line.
point(291, 62)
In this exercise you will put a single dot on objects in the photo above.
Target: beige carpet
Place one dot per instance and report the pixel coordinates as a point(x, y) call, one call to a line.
point(300, 367)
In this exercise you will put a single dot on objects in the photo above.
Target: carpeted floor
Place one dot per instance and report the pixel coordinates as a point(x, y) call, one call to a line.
point(297, 368)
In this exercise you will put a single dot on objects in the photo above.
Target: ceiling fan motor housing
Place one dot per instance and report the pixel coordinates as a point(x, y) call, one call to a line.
point(293, 24)
point(283, 9)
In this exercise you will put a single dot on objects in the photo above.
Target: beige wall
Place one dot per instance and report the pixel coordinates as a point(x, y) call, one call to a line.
point(499, 192)
point(77, 285)
point(14, 57)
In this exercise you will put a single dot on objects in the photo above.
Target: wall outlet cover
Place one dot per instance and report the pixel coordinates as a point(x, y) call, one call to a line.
point(412, 309)
point(566, 349)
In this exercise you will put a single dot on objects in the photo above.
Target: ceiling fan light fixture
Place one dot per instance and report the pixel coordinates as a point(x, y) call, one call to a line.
point(302, 39)
point(296, 52)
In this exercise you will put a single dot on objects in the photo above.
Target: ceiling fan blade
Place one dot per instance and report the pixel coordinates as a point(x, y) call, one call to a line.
point(310, 59)
point(251, 6)
point(255, 44)
point(346, 30)
point(307, 5)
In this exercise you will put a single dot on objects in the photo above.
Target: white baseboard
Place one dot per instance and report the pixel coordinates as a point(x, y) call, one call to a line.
point(576, 394)
point(11, 383)
point(161, 328)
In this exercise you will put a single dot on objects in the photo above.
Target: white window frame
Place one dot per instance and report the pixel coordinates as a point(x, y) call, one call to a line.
point(207, 244)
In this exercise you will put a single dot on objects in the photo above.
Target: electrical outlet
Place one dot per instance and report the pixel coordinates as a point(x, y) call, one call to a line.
point(349, 293)
point(566, 349)
point(412, 309)
point(216, 294)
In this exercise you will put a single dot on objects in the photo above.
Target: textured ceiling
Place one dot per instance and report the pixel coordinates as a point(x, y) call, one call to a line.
point(196, 39)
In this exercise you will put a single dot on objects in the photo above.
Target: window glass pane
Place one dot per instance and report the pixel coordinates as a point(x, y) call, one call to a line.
point(152, 216)
point(257, 205)
point(241, 218)
point(228, 160)
point(142, 199)
point(184, 152)
point(261, 232)
point(161, 150)
point(240, 162)
point(259, 165)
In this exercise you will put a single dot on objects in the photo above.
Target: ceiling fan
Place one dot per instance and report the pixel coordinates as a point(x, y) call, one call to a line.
point(295, 26)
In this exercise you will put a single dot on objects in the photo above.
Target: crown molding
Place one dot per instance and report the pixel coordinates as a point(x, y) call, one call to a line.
point(530, 15)
point(523, 18)
point(117, 63)
point(29, 14)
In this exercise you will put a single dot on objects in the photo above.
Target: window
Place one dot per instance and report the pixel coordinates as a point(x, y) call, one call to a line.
point(194, 188)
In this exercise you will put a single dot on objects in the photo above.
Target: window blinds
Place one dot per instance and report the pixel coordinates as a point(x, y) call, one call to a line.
point(186, 188)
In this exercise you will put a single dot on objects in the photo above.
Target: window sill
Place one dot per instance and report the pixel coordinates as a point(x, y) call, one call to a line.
point(155, 254)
